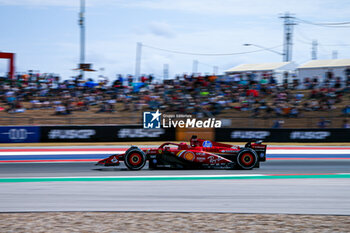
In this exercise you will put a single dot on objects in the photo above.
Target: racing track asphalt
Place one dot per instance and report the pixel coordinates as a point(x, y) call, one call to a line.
point(293, 196)
point(289, 196)
point(88, 169)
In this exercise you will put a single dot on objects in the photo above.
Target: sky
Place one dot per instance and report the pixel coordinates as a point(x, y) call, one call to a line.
point(44, 34)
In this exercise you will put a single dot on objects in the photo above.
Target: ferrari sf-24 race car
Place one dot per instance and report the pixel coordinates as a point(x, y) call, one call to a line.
point(200, 154)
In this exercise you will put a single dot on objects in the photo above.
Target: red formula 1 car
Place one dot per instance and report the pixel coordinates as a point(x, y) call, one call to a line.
point(198, 155)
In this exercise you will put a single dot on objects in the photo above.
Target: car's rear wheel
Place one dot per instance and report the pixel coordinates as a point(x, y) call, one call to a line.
point(247, 159)
point(135, 159)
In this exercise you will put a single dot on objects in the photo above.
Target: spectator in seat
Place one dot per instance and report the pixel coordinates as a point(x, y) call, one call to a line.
point(80, 105)
point(277, 124)
point(337, 84)
point(346, 124)
point(110, 104)
point(103, 107)
point(346, 110)
point(294, 112)
point(323, 123)
point(60, 110)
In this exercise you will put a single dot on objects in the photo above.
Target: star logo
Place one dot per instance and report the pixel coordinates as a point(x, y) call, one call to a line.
point(155, 115)
point(151, 120)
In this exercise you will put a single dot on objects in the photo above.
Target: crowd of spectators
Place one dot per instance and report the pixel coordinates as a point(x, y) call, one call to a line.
point(201, 95)
point(265, 98)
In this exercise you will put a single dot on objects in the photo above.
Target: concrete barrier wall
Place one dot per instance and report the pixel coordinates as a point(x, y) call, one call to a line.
point(129, 133)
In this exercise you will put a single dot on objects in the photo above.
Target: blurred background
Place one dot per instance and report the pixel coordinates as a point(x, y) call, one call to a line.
point(251, 63)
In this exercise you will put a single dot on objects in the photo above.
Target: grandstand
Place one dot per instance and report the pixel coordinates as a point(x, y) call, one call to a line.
point(120, 104)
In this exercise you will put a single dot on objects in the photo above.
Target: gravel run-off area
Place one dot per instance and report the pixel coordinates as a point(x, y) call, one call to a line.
point(169, 222)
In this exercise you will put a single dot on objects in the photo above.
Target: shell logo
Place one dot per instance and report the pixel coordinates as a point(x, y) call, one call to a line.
point(189, 156)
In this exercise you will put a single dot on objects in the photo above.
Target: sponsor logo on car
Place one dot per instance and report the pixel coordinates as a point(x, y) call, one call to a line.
point(258, 147)
point(200, 159)
point(114, 160)
point(189, 156)
point(228, 151)
point(207, 144)
point(213, 159)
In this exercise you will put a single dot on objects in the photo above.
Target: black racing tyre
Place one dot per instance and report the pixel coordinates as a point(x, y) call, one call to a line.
point(247, 159)
point(135, 159)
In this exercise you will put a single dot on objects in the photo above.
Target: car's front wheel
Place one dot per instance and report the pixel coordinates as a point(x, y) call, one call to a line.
point(135, 159)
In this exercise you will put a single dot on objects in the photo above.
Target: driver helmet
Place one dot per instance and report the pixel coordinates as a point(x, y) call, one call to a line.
point(194, 141)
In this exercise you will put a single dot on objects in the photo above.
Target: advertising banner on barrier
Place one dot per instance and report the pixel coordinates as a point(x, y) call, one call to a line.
point(282, 135)
point(19, 134)
point(129, 133)
point(104, 134)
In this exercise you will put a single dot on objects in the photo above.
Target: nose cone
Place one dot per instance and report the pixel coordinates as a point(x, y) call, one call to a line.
point(101, 162)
